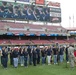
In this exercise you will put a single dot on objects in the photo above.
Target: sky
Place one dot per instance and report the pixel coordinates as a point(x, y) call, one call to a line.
point(68, 9)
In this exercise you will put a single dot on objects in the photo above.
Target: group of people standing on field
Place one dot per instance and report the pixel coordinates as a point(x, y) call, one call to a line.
point(28, 55)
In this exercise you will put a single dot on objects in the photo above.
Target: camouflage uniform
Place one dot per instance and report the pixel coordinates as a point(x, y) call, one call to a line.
point(71, 56)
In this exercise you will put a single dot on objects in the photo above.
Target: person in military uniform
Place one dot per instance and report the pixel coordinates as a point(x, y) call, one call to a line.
point(71, 55)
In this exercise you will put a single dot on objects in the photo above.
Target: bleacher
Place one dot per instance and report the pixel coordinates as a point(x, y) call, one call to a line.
point(33, 31)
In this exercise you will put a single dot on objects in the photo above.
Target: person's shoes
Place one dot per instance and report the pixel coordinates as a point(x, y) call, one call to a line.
point(72, 68)
point(26, 66)
point(49, 64)
point(15, 67)
point(22, 65)
point(68, 62)
point(56, 63)
point(5, 68)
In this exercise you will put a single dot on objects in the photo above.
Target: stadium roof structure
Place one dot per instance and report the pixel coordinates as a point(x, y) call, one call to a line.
point(71, 29)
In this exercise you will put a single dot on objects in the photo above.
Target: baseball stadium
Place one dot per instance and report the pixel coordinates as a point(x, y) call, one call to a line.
point(34, 25)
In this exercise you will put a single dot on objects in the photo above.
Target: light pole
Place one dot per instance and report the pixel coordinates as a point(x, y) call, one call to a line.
point(69, 21)
point(73, 20)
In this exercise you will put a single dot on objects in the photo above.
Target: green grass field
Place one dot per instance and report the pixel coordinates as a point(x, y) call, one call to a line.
point(39, 70)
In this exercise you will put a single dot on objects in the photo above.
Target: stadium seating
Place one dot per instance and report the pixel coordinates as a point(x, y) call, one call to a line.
point(31, 29)
point(22, 27)
point(15, 42)
point(72, 40)
point(41, 42)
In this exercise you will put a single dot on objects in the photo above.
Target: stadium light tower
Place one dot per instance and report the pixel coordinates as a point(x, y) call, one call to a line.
point(46, 3)
point(73, 20)
point(69, 21)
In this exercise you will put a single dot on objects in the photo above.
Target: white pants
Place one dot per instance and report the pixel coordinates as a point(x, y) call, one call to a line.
point(49, 58)
point(15, 62)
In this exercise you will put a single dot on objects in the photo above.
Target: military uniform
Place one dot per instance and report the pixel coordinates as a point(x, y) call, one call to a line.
point(71, 56)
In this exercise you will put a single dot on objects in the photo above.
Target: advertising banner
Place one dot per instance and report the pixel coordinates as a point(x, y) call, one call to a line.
point(26, 12)
point(53, 9)
point(41, 2)
point(55, 19)
point(54, 4)
point(55, 15)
